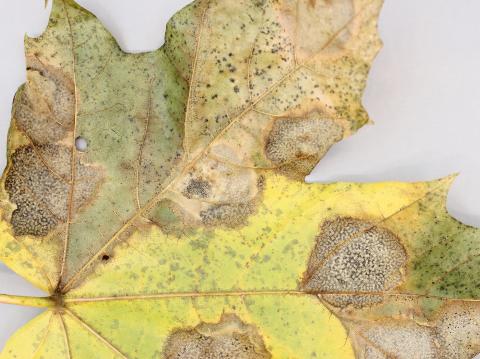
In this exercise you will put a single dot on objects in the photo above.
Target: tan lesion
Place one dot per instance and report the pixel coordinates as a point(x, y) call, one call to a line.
point(230, 338)
point(40, 171)
point(44, 108)
point(296, 145)
point(401, 329)
point(458, 328)
point(356, 256)
point(215, 193)
point(402, 339)
point(40, 198)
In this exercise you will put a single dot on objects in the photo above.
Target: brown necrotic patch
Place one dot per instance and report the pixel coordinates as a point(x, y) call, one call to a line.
point(233, 215)
point(197, 188)
point(402, 340)
point(45, 107)
point(216, 192)
point(354, 256)
point(228, 339)
point(459, 330)
point(296, 145)
point(236, 213)
point(40, 189)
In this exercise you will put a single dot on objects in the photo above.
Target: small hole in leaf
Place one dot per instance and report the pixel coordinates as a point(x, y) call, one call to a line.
point(81, 144)
point(105, 257)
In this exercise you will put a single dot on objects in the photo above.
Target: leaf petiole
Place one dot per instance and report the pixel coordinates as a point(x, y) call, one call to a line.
point(38, 302)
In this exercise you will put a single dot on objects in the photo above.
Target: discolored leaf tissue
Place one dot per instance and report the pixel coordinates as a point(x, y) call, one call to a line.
point(159, 200)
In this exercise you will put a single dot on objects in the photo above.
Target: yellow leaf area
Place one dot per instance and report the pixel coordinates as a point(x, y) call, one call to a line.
point(260, 287)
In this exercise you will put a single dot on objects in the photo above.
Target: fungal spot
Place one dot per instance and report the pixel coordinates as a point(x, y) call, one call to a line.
point(402, 341)
point(197, 188)
point(296, 145)
point(354, 256)
point(458, 330)
point(233, 215)
point(105, 257)
point(228, 339)
point(81, 144)
point(40, 190)
point(44, 107)
point(215, 192)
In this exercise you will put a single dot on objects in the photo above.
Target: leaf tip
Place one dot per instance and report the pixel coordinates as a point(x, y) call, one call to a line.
point(448, 180)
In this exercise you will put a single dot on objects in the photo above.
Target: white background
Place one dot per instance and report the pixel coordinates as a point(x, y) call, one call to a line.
point(423, 94)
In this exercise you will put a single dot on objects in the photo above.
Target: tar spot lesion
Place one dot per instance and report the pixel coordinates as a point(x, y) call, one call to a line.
point(354, 256)
point(295, 145)
point(40, 192)
point(230, 338)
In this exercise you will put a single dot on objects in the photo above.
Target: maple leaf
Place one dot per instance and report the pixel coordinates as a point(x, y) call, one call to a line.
point(103, 142)
point(158, 198)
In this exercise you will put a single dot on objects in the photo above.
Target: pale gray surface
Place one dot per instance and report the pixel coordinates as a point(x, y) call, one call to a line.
point(423, 93)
